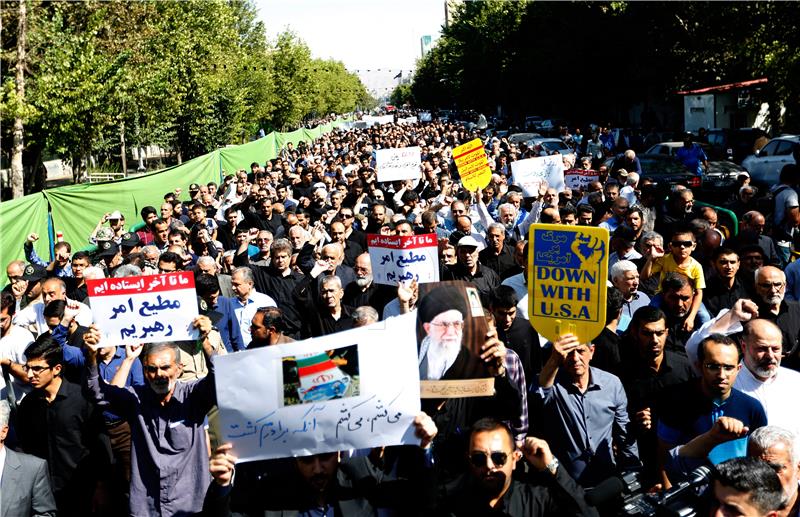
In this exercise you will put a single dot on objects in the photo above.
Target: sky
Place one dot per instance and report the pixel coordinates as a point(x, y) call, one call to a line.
point(363, 34)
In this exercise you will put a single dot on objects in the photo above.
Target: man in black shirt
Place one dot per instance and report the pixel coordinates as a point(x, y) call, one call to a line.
point(770, 287)
point(516, 332)
point(468, 268)
point(648, 370)
point(723, 292)
point(497, 254)
point(56, 423)
point(489, 488)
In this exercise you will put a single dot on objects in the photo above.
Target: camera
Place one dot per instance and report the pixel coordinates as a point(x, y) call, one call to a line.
point(684, 499)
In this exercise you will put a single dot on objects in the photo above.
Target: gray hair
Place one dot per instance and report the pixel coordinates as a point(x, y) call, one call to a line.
point(620, 268)
point(653, 236)
point(152, 348)
point(93, 273)
point(246, 272)
point(497, 226)
point(126, 270)
point(365, 315)
point(205, 259)
point(506, 206)
point(769, 435)
point(149, 250)
point(279, 245)
point(5, 413)
point(633, 179)
point(330, 279)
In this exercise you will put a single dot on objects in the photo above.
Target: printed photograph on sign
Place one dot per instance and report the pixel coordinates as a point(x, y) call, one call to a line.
point(317, 377)
point(451, 328)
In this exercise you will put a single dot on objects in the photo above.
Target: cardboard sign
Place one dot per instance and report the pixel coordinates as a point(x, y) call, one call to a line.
point(144, 309)
point(403, 258)
point(580, 178)
point(350, 390)
point(451, 328)
point(398, 164)
point(472, 164)
point(530, 173)
point(567, 273)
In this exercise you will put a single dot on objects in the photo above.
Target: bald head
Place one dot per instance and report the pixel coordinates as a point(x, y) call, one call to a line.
point(762, 348)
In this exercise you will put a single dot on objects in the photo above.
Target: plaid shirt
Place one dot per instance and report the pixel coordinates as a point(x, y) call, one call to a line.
point(516, 376)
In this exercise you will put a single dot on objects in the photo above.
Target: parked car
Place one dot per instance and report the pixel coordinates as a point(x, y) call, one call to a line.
point(765, 166)
point(531, 122)
point(733, 144)
point(548, 145)
point(518, 138)
point(664, 170)
point(721, 175)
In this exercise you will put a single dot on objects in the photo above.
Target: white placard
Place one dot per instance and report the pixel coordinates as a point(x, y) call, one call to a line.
point(395, 258)
point(425, 116)
point(144, 309)
point(580, 178)
point(531, 172)
point(372, 120)
point(373, 406)
point(398, 163)
point(407, 120)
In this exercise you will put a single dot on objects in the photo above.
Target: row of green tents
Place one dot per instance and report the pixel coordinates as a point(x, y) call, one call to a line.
point(75, 210)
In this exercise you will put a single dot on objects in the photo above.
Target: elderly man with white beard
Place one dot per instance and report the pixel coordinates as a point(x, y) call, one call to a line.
point(364, 291)
point(779, 448)
point(762, 377)
point(770, 287)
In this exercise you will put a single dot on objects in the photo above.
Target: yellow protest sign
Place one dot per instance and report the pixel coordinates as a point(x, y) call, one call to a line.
point(472, 166)
point(567, 273)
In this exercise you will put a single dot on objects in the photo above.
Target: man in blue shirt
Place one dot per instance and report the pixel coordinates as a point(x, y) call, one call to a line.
point(699, 415)
point(692, 156)
point(586, 409)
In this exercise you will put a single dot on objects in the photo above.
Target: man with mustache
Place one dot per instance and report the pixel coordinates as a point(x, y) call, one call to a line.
point(169, 458)
point(762, 377)
point(770, 289)
point(489, 488)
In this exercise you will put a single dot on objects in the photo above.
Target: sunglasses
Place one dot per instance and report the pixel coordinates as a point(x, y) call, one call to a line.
point(479, 459)
point(682, 244)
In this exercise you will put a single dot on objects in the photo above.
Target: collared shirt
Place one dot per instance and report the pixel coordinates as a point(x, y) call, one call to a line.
point(638, 300)
point(583, 426)
point(169, 459)
point(776, 394)
point(516, 375)
point(244, 312)
point(520, 286)
point(632, 254)
point(499, 263)
point(12, 346)
point(63, 432)
point(2, 463)
point(718, 296)
point(485, 279)
point(109, 369)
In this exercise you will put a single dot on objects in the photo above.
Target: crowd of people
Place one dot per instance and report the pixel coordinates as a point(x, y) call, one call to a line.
point(700, 349)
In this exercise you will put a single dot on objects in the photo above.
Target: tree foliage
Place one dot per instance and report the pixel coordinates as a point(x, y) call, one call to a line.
point(596, 58)
point(189, 75)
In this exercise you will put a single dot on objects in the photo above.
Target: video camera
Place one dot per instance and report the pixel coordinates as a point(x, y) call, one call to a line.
point(682, 500)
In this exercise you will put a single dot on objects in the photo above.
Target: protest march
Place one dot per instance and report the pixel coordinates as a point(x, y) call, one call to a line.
point(404, 316)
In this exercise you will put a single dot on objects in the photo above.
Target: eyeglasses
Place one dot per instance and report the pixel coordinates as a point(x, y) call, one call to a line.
point(347, 216)
point(456, 325)
point(713, 367)
point(771, 285)
point(479, 459)
point(35, 369)
point(682, 244)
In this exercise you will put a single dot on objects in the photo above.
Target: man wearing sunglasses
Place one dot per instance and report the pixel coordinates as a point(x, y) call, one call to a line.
point(488, 487)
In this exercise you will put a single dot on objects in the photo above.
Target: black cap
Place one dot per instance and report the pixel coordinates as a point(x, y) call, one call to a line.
point(34, 272)
point(107, 249)
point(130, 240)
point(194, 187)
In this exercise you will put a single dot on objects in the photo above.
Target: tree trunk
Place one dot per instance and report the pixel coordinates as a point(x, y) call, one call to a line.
point(122, 151)
point(18, 145)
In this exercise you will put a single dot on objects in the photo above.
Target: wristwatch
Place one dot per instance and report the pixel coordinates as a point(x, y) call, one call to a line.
point(552, 466)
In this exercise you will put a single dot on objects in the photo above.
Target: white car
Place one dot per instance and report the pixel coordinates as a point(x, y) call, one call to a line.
point(765, 166)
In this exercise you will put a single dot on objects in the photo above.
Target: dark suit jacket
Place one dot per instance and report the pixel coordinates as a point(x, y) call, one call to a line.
point(25, 488)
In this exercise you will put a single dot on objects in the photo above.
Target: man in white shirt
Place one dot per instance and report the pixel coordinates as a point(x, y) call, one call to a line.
point(246, 301)
point(13, 342)
point(762, 377)
point(32, 316)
